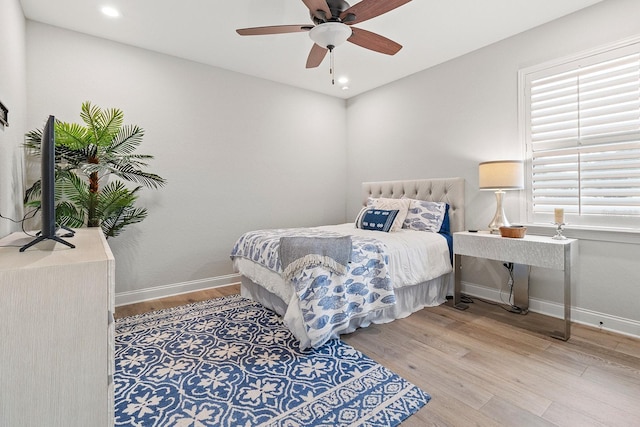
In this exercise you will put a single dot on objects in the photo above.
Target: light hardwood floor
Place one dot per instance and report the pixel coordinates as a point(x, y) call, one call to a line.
point(487, 367)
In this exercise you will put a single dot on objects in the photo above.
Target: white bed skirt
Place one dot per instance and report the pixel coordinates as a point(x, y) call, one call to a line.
point(409, 299)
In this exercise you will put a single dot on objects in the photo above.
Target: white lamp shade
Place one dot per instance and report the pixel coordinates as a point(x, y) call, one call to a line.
point(330, 34)
point(501, 175)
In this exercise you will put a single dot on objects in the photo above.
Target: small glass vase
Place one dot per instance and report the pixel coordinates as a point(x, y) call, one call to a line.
point(559, 228)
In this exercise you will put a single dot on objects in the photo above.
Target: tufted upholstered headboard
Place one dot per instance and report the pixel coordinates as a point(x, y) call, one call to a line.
point(449, 190)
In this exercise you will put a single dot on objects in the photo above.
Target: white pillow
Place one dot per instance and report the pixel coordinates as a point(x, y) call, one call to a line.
point(401, 205)
point(425, 216)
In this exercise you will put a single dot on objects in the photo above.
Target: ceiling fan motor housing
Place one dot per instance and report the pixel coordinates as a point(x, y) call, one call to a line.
point(336, 7)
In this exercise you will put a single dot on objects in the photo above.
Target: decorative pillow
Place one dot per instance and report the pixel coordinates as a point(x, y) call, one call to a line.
point(401, 205)
point(376, 219)
point(445, 230)
point(425, 216)
point(446, 226)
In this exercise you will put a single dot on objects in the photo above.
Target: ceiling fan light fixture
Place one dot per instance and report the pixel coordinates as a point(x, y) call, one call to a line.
point(330, 34)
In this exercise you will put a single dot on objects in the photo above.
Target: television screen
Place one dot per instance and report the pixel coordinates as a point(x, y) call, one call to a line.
point(47, 184)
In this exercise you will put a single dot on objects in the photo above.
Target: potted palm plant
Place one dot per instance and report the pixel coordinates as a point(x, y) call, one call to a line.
point(93, 163)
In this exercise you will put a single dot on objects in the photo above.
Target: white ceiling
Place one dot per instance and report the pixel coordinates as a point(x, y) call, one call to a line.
point(431, 32)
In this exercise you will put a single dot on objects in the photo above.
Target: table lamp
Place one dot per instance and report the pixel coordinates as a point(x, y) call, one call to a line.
point(499, 176)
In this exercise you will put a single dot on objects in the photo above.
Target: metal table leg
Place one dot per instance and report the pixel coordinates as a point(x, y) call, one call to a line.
point(457, 285)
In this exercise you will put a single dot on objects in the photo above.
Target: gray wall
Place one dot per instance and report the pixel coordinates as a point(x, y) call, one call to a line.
point(445, 120)
point(12, 95)
point(238, 152)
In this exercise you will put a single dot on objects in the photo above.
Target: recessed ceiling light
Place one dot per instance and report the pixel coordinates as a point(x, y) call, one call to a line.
point(343, 80)
point(345, 87)
point(111, 12)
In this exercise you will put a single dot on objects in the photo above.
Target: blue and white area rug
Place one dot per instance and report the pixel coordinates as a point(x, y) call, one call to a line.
point(230, 362)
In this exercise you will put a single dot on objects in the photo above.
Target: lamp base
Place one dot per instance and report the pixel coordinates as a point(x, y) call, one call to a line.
point(499, 219)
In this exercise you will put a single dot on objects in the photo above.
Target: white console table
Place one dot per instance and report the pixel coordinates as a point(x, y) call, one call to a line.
point(530, 251)
point(56, 332)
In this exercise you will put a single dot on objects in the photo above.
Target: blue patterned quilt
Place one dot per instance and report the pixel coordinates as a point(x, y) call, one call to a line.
point(328, 301)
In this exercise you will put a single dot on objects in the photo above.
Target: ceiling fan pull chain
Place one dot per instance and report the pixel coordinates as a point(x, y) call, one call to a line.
point(331, 65)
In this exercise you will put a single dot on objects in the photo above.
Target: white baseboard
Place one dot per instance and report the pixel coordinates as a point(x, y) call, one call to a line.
point(583, 316)
point(132, 297)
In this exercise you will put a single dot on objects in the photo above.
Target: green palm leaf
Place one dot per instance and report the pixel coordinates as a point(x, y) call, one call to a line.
point(114, 197)
point(129, 173)
point(69, 215)
point(103, 125)
point(126, 141)
point(73, 188)
point(72, 136)
point(116, 208)
point(32, 141)
point(113, 226)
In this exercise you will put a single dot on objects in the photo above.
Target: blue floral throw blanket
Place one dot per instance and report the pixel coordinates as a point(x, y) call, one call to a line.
point(328, 299)
point(231, 362)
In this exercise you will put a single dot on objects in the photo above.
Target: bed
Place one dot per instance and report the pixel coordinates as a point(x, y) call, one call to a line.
point(403, 284)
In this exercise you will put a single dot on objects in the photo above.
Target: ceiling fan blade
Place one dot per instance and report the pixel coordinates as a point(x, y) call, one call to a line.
point(373, 41)
point(275, 29)
point(316, 56)
point(318, 5)
point(367, 9)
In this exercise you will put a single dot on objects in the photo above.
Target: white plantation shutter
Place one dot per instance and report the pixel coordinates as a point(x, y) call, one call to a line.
point(582, 130)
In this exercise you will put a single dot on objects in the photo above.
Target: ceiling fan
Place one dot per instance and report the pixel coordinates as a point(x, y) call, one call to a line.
point(334, 21)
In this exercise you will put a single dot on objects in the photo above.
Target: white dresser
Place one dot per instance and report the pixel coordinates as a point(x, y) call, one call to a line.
point(57, 332)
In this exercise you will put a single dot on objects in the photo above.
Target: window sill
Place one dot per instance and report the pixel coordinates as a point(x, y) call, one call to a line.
point(615, 235)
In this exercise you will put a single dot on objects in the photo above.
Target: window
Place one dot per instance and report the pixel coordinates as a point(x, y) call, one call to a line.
point(580, 119)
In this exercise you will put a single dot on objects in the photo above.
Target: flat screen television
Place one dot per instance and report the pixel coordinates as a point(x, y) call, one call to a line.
point(47, 184)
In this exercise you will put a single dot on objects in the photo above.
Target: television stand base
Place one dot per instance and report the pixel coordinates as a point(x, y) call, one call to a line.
point(41, 238)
